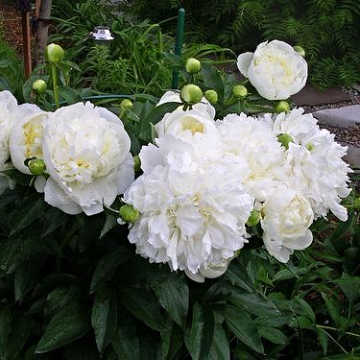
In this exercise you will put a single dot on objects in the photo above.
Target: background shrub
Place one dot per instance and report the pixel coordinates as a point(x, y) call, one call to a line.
point(327, 29)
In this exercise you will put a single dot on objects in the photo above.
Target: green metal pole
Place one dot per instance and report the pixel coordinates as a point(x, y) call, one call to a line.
point(178, 44)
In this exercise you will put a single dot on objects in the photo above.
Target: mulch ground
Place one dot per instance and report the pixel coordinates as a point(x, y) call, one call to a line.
point(10, 23)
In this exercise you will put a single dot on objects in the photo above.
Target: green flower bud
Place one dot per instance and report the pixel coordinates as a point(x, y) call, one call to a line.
point(191, 94)
point(54, 53)
point(39, 86)
point(282, 106)
point(128, 213)
point(137, 163)
point(211, 96)
point(300, 50)
point(254, 218)
point(240, 91)
point(126, 104)
point(37, 166)
point(310, 146)
point(192, 66)
point(285, 140)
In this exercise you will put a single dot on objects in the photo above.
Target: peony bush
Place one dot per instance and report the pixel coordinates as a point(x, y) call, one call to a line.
point(97, 247)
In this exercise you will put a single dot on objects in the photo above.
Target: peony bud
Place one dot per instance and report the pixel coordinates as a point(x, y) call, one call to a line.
point(300, 51)
point(191, 94)
point(211, 96)
point(54, 53)
point(282, 106)
point(128, 213)
point(137, 163)
point(39, 86)
point(192, 66)
point(126, 104)
point(285, 140)
point(37, 166)
point(240, 91)
point(254, 218)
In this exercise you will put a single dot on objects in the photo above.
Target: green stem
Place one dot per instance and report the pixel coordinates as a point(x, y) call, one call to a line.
point(334, 329)
point(55, 85)
point(336, 342)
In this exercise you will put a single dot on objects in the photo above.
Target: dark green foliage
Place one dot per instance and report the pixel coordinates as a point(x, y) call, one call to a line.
point(327, 29)
point(68, 292)
point(11, 69)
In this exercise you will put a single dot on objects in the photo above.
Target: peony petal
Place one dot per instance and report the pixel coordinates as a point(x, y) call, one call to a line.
point(244, 61)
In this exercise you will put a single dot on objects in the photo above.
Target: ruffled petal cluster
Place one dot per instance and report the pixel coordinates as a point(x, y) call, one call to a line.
point(86, 151)
point(193, 212)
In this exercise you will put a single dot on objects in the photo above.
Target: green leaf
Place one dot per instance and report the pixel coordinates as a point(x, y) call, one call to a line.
point(237, 275)
point(323, 339)
point(332, 308)
point(350, 285)
point(5, 328)
point(144, 306)
point(274, 335)
point(104, 316)
point(70, 95)
point(125, 341)
point(199, 338)
point(20, 331)
point(253, 303)
point(158, 112)
point(61, 297)
point(26, 277)
point(173, 295)
point(302, 322)
point(212, 79)
point(172, 340)
point(220, 349)
point(54, 218)
point(343, 357)
point(18, 177)
point(107, 265)
point(243, 327)
point(194, 337)
point(69, 324)
point(33, 210)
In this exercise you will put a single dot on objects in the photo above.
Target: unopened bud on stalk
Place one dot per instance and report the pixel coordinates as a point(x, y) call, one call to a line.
point(282, 106)
point(211, 96)
point(128, 213)
point(192, 65)
point(300, 50)
point(285, 140)
point(191, 94)
point(37, 166)
point(254, 218)
point(39, 86)
point(240, 91)
point(126, 104)
point(54, 53)
point(137, 163)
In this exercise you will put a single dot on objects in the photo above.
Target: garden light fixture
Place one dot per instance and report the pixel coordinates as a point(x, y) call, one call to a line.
point(101, 35)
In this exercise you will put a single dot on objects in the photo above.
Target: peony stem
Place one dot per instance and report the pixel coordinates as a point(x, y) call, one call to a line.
point(55, 86)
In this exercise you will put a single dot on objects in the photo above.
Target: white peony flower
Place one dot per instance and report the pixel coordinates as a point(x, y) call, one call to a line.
point(193, 212)
point(86, 152)
point(8, 117)
point(287, 217)
point(203, 107)
point(275, 69)
point(314, 164)
point(26, 137)
point(193, 127)
point(252, 144)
